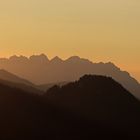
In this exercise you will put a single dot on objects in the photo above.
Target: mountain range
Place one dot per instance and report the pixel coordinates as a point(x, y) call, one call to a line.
point(40, 70)
point(94, 107)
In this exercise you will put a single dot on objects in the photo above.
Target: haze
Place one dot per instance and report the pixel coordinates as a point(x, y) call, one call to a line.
point(100, 30)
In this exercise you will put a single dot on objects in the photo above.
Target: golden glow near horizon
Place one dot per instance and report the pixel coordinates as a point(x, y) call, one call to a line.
point(101, 30)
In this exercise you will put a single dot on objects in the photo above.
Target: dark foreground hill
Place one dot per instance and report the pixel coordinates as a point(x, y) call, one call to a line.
point(101, 100)
point(94, 107)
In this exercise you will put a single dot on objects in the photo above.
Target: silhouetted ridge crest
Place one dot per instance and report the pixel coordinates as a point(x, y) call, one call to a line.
point(39, 58)
point(92, 83)
point(100, 99)
point(56, 60)
point(94, 91)
point(77, 59)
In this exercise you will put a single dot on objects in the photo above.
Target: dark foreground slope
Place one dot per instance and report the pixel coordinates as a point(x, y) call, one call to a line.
point(94, 107)
point(100, 100)
point(25, 116)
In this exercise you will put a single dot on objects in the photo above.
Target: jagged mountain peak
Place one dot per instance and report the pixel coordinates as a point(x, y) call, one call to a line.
point(18, 58)
point(56, 59)
point(77, 59)
point(40, 58)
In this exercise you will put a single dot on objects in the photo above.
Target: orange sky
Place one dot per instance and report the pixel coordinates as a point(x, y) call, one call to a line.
point(101, 30)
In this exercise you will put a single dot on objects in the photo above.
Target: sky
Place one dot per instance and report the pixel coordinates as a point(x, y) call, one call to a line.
point(100, 30)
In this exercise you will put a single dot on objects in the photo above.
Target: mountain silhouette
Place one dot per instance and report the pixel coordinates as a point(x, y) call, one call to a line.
point(99, 99)
point(45, 87)
point(5, 75)
point(40, 70)
point(56, 60)
point(14, 81)
point(24, 115)
point(94, 107)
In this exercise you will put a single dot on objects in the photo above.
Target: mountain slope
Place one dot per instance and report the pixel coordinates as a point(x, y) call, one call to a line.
point(46, 87)
point(5, 75)
point(29, 116)
point(14, 81)
point(24, 115)
point(101, 100)
point(40, 70)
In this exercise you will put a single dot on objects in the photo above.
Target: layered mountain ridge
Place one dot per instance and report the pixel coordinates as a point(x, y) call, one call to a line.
point(40, 70)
